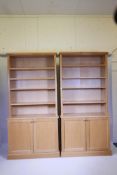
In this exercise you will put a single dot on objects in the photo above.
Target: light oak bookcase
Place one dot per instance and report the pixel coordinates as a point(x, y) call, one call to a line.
point(84, 103)
point(33, 118)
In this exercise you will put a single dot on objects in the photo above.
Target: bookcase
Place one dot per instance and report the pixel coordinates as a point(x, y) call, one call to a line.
point(33, 119)
point(84, 103)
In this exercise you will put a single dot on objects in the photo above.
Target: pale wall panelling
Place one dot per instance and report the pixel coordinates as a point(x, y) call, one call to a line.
point(56, 33)
point(96, 33)
point(31, 34)
point(12, 34)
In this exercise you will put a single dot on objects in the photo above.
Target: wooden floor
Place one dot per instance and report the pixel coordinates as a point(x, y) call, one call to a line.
point(100, 165)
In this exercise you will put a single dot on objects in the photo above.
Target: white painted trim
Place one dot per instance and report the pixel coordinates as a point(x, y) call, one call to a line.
point(37, 16)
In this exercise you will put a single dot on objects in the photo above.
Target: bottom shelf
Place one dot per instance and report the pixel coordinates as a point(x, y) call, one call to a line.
point(32, 110)
point(96, 114)
point(90, 109)
point(34, 116)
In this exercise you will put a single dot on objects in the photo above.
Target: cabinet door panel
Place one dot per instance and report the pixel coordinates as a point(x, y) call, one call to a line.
point(98, 135)
point(46, 135)
point(20, 136)
point(73, 135)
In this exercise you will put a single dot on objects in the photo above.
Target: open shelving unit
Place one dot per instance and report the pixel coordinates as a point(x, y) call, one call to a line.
point(33, 95)
point(32, 83)
point(83, 82)
point(84, 97)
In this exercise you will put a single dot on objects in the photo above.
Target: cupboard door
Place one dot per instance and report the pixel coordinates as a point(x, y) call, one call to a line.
point(46, 136)
point(20, 136)
point(73, 135)
point(98, 134)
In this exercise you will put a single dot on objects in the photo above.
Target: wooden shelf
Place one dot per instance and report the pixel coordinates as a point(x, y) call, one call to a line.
point(31, 89)
point(84, 77)
point(33, 116)
point(32, 69)
point(82, 88)
point(83, 102)
point(98, 114)
point(33, 104)
point(43, 78)
point(83, 65)
point(83, 54)
point(33, 54)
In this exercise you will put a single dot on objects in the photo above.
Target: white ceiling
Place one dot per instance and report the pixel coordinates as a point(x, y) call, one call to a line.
point(67, 7)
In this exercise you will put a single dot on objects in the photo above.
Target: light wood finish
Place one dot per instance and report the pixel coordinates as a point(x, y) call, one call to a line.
point(84, 65)
point(84, 77)
point(84, 103)
point(20, 136)
point(83, 88)
point(85, 136)
point(32, 82)
point(98, 135)
point(89, 115)
point(76, 88)
point(32, 105)
point(82, 54)
point(45, 135)
point(32, 116)
point(42, 78)
point(27, 69)
point(86, 153)
point(31, 89)
point(33, 156)
point(73, 135)
point(32, 54)
point(35, 137)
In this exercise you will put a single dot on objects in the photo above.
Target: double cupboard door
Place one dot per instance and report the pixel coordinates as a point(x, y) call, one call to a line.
point(85, 136)
point(33, 137)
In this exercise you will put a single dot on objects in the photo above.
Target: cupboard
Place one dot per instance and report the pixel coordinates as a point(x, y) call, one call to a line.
point(33, 128)
point(30, 138)
point(84, 103)
point(33, 119)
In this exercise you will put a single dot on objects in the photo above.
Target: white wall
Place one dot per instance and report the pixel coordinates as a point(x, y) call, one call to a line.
point(53, 33)
point(39, 33)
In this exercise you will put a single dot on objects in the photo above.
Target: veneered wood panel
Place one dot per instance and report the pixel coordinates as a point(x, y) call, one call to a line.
point(98, 134)
point(46, 135)
point(73, 135)
point(20, 136)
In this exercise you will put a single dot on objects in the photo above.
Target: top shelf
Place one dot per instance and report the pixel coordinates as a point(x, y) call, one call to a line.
point(69, 54)
point(32, 54)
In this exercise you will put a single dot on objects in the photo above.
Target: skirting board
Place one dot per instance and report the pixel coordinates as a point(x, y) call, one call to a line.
point(30, 156)
point(88, 153)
